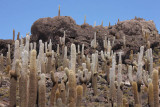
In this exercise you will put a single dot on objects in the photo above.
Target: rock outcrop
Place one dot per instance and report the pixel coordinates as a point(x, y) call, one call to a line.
point(53, 28)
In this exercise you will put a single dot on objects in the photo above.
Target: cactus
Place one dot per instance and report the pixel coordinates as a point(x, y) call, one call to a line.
point(72, 89)
point(130, 74)
point(14, 75)
point(1, 63)
point(119, 91)
point(112, 86)
point(94, 73)
point(13, 86)
point(94, 24)
point(33, 80)
point(124, 41)
point(109, 24)
point(94, 42)
point(150, 95)
point(34, 46)
point(62, 92)
point(65, 62)
point(155, 88)
point(85, 77)
point(82, 50)
point(42, 91)
point(73, 57)
point(88, 64)
point(118, 20)
point(24, 80)
point(50, 46)
point(131, 56)
point(59, 103)
point(54, 88)
point(16, 54)
point(102, 23)
point(9, 56)
point(135, 93)
point(57, 95)
point(13, 35)
point(84, 19)
point(148, 45)
point(49, 62)
point(59, 11)
point(18, 35)
point(79, 95)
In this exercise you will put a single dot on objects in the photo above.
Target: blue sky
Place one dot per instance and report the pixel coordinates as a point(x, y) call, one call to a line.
point(20, 14)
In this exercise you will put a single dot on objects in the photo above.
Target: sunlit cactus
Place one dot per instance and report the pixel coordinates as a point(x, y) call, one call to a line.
point(73, 57)
point(33, 80)
point(13, 35)
point(14, 75)
point(42, 91)
point(79, 95)
point(94, 42)
point(150, 95)
point(130, 76)
point(24, 81)
point(54, 88)
point(72, 89)
point(62, 92)
point(135, 92)
point(94, 73)
point(49, 62)
point(155, 82)
point(84, 19)
point(1, 63)
point(59, 11)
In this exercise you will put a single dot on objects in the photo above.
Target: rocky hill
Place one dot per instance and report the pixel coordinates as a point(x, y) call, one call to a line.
point(133, 30)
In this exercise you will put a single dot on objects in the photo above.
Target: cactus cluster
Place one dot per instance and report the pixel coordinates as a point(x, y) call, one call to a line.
point(49, 78)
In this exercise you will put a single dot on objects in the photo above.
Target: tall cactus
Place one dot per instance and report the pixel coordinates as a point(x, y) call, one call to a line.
point(79, 95)
point(155, 88)
point(135, 92)
point(33, 80)
point(62, 92)
point(73, 57)
point(94, 73)
point(24, 81)
point(150, 95)
point(72, 89)
point(42, 91)
point(53, 90)
point(13, 86)
point(1, 63)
